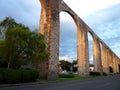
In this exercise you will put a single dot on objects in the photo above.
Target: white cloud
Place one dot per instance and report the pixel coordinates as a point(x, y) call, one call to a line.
point(66, 57)
point(85, 7)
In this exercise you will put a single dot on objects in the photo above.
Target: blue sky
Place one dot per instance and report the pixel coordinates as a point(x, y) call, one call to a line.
point(101, 16)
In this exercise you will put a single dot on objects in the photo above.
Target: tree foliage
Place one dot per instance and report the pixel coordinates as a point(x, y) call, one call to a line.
point(74, 65)
point(21, 45)
point(65, 65)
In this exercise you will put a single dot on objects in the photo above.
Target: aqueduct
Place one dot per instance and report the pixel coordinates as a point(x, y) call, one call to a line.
point(50, 27)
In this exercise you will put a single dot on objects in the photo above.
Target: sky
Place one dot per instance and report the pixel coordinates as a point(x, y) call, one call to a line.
point(101, 16)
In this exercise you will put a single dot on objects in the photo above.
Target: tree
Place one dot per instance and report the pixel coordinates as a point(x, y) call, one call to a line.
point(3, 62)
point(65, 65)
point(8, 22)
point(21, 45)
point(74, 65)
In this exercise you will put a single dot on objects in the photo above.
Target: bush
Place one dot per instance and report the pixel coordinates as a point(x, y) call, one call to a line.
point(17, 76)
point(1, 75)
point(29, 75)
point(94, 73)
point(12, 76)
point(26, 77)
point(34, 75)
point(66, 76)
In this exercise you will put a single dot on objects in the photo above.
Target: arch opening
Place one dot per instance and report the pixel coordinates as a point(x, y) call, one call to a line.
point(110, 69)
point(67, 41)
point(118, 67)
point(90, 51)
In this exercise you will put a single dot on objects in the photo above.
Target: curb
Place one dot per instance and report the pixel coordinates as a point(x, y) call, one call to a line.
point(21, 84)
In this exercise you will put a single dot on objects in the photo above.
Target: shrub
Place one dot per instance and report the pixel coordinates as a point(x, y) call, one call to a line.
point(66, 76)
point(1, 75)
point(26, 76)
point(12, 76)
point(34, 75)
point(29, 75)
point(17, 76)
point(94, 73)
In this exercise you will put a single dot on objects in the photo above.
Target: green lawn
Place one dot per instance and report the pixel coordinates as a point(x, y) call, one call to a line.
point(76, 78)
point(67, 77)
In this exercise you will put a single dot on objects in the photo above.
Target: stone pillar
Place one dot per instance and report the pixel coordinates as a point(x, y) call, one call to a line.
point(107, 60)
point(114, 69)
point(82, 51)
point(104, 59)
point(97, 55)
point(111, 59)
point(108, 57)
point(117, 65)
point(49, 26)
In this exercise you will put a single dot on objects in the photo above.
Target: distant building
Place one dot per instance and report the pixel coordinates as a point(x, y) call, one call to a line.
point(91, 68)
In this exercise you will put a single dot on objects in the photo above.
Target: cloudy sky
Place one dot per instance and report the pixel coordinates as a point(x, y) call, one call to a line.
point(102, 16)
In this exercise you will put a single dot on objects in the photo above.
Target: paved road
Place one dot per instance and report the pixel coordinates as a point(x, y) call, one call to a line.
point(102, 83)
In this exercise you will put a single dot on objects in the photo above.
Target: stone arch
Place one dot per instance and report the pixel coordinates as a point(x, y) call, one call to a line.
point(49, 26)
point(89, 32)
point(96, 52)
point(65, 8)
point(82, 40)
point(73, 24)
point(72, 16)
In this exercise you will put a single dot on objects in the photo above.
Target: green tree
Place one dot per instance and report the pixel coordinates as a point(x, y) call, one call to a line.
point(65, 65)
point(21, 45)
point(8, 22)
point(74, 65)
point(15, 40)
point(3, 62)
point(37, 46)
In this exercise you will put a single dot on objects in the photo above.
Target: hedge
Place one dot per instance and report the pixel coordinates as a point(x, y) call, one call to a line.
point(26, 76)
point(66, 76)
point(17, 76)
point(11, 76)
point(97, 74)
point(94, 73)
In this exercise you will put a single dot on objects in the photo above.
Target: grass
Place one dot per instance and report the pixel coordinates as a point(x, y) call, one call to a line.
point(76, 78)
point(70, 79)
